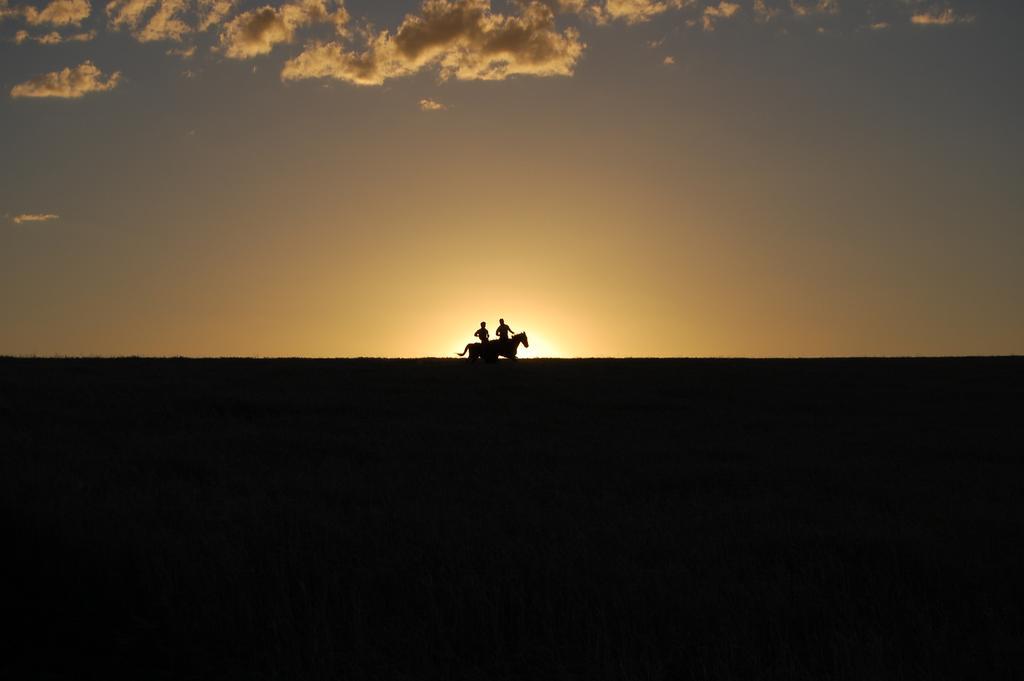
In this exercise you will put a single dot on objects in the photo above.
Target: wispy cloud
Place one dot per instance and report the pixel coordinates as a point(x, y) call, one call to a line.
point(940, 16)
point(68, 83)
point(715, 13)
point(805, 8)
point(764, 13)
point(34, 217)
point(464, 39)
point(626, 11)
point(183, 52)
point(431, 105)
point(53, 37)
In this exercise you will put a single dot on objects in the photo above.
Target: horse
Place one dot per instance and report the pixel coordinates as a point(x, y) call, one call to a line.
point(491, 350)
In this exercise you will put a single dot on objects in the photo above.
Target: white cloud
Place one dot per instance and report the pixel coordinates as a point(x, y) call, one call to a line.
point(68, 83)
point(183, 52)
point(431, 105)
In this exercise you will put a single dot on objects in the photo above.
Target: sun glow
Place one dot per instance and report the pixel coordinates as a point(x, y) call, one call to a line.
point(541, 346)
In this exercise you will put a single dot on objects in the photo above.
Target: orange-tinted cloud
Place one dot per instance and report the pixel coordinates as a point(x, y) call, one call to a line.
point(53, 37)
point(56, 13)
point(806, 8)
point(212, 12)
point(154, 20)
point(34, 217)
point(627, 11)
point(763, 12)
point(939, 16)
point(257, 31)
point(68, 83)
point(59, 13)
point(166, 23)
point(464, 39)
point(183, 52)
point(431, 105)
point(715, 13)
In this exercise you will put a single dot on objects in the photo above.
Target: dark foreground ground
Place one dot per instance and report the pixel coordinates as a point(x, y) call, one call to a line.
point(223, 519)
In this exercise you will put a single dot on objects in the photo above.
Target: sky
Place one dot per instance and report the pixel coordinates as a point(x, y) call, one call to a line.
point(613, 177)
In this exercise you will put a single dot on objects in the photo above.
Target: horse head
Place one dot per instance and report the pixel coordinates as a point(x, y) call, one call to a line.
point(522, 337)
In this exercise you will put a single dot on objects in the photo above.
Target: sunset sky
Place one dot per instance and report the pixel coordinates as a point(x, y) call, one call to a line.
point(615, 177)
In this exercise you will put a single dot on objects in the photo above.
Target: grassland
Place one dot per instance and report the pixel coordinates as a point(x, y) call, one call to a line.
point(293, 519)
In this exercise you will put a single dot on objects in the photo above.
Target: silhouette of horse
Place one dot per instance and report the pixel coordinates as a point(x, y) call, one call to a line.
point(496, 348)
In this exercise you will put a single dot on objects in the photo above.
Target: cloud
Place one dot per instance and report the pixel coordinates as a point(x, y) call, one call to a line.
point(763, 13)
point(212, 12)
point(669, 61)
point(69, 83)
point(257, 31)
point(167, 19)
point(878, 25)
point(166, 23)
point(939, 17)
point(128, 12)
point(627, 11)
point(56, 13)
point(52, 38)
point(465, 39)
point(431, 105)
point(714, 13)
point(34, 217)
point(633, 11)
point(183, 52)
point(801, 8)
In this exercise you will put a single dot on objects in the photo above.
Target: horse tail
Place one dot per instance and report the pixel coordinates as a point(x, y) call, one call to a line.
point(463, 353)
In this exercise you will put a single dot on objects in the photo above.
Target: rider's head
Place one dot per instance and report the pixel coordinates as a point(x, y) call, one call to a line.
point(502, 321)
point(483, 324)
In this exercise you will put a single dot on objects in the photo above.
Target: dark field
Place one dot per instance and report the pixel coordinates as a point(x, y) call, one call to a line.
point(289, 519)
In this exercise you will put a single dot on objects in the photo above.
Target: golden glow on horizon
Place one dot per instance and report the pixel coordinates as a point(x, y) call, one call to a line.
point(792, 198)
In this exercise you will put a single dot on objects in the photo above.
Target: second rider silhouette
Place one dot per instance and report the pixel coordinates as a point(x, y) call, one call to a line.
point(503, 330)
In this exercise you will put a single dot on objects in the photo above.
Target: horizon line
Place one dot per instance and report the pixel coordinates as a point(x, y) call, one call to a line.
point(520, 359)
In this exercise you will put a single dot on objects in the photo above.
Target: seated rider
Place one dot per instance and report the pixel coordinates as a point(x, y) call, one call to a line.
point(503, 330)
point(482, 333)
